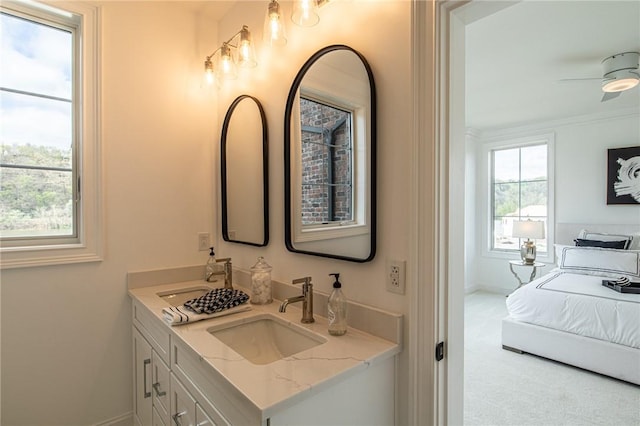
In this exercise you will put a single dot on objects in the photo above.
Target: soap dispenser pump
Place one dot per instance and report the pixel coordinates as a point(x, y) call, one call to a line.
point(213, 269)
point(337, 309)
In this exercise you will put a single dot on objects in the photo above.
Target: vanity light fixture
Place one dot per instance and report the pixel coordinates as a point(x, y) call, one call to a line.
point(274, 28)
point(222, 63)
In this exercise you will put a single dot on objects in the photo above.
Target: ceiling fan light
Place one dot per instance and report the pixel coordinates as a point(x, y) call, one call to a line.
point(620, 81)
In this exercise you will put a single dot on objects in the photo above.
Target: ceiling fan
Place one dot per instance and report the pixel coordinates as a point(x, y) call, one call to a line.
point(619, 73)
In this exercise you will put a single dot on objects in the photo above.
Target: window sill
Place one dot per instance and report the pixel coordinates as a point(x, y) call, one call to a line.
point(27, 257)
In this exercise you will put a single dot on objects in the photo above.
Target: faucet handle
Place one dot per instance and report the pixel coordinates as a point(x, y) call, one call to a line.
point(305, 281)
point(306, 284)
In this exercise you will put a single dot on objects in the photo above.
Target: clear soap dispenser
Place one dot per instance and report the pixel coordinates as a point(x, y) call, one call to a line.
point(213, 271)
point(337, 309)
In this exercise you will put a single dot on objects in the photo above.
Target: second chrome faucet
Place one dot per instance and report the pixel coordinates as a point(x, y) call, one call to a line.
point(306, 298)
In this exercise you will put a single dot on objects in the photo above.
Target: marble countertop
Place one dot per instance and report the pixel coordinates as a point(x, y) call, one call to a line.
point(281, 383)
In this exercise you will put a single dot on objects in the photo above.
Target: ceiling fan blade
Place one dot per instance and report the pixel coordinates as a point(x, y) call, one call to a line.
point(580, 79)
point(610, 95)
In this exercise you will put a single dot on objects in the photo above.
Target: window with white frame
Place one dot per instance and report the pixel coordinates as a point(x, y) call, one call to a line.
point(519, 190)
point(49, 168)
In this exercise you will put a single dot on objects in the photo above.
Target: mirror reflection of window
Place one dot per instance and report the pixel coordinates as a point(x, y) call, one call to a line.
point(327, 163)
point(330, 157)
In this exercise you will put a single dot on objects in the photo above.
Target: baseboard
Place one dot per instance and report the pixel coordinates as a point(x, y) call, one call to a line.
point(471, 289)
point(121, 420)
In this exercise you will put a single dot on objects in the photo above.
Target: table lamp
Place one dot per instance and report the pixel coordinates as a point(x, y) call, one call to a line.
point(528, 229)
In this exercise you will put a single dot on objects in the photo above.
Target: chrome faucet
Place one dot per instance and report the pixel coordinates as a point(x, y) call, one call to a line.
point(227, 272)
point(306, 298)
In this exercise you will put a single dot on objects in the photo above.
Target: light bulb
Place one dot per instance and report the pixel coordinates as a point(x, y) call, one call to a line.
point(226, 68)
point(274, 29)
point(305, 13)
point(245, 49)
point(208, 71)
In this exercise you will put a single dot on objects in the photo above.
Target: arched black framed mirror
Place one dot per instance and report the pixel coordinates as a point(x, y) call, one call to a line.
point(245, 173)
point(330, 157)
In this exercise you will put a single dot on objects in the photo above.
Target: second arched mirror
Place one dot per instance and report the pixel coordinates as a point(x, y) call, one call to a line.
point(244, 173)
point(330, 157)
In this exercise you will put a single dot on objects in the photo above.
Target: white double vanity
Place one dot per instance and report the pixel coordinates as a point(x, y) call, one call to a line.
point(260, 366)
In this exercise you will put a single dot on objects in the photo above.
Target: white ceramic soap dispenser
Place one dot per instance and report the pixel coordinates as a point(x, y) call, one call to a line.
point(337, 309)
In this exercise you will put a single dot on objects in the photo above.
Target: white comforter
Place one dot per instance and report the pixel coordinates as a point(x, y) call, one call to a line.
point(578, 304)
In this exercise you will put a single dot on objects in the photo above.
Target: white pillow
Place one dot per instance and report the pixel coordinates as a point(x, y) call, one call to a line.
point(599, 261)
point(599, 236)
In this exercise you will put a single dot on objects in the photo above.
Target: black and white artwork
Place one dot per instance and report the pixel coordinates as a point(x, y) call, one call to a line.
point(623, 175)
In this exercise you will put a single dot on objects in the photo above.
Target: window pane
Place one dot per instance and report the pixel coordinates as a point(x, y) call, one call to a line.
point(506, 199)
point(327, 163)
point(506, 165)
point(502, 239)
point(315, 204)
point(35, 203)
point(46, 144)
point(534, 162)
point(35, 57)
point(36, 118)
point(534, 199)
point(342, 203)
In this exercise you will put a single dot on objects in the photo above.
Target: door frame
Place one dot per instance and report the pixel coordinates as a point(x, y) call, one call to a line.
point(438, 201)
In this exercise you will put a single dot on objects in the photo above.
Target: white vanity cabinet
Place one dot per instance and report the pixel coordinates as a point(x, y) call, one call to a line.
point(183, 376)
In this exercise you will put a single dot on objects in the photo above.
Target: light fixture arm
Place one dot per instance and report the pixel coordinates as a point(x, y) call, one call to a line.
point(243, 44)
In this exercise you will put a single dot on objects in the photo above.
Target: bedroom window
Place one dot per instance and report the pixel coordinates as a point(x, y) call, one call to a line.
point(519, 188)
point(48, 150)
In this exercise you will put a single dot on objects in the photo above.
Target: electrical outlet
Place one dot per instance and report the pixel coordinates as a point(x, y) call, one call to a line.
point(232, 234)
point(203, 241)
point(395, 276)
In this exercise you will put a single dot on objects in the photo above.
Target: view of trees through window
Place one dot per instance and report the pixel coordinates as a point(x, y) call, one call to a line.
point(519, 192)
point(36, 145)
point(327, 194)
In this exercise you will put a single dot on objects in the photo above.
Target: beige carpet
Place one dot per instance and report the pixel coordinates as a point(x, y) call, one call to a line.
point(505, 388)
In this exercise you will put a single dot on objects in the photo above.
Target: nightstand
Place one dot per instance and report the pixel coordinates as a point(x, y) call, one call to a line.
point(519, 263)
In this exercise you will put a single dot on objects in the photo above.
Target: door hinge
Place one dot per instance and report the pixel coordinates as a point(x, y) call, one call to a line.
point(440, 351)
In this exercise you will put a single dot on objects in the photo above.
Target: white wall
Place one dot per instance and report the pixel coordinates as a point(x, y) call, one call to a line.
point(381, 31)
point(66, 339)
point(580, 184)
point(66, 330)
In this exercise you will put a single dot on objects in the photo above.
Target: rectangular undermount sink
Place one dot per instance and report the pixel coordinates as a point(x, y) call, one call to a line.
point(178, 297)
point(265, 338)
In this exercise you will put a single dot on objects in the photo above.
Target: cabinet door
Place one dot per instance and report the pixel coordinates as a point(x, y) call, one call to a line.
point(157, 419)
point(202, 419)
point(142, 404)
point(161, 379)
point(183, 406)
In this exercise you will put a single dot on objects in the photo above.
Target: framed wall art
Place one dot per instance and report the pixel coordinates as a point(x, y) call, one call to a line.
point(623, 175)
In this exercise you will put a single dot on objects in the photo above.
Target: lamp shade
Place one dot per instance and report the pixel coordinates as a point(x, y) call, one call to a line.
point(528, 229)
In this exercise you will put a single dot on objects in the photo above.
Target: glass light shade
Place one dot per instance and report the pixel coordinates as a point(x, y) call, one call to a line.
point(246, 53)
point(208, 71)
point(226, 69)
point(622, 80)
point(274, 29)
point(305, 13)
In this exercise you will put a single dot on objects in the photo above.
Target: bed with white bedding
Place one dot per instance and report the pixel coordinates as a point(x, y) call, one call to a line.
point(569, 316)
